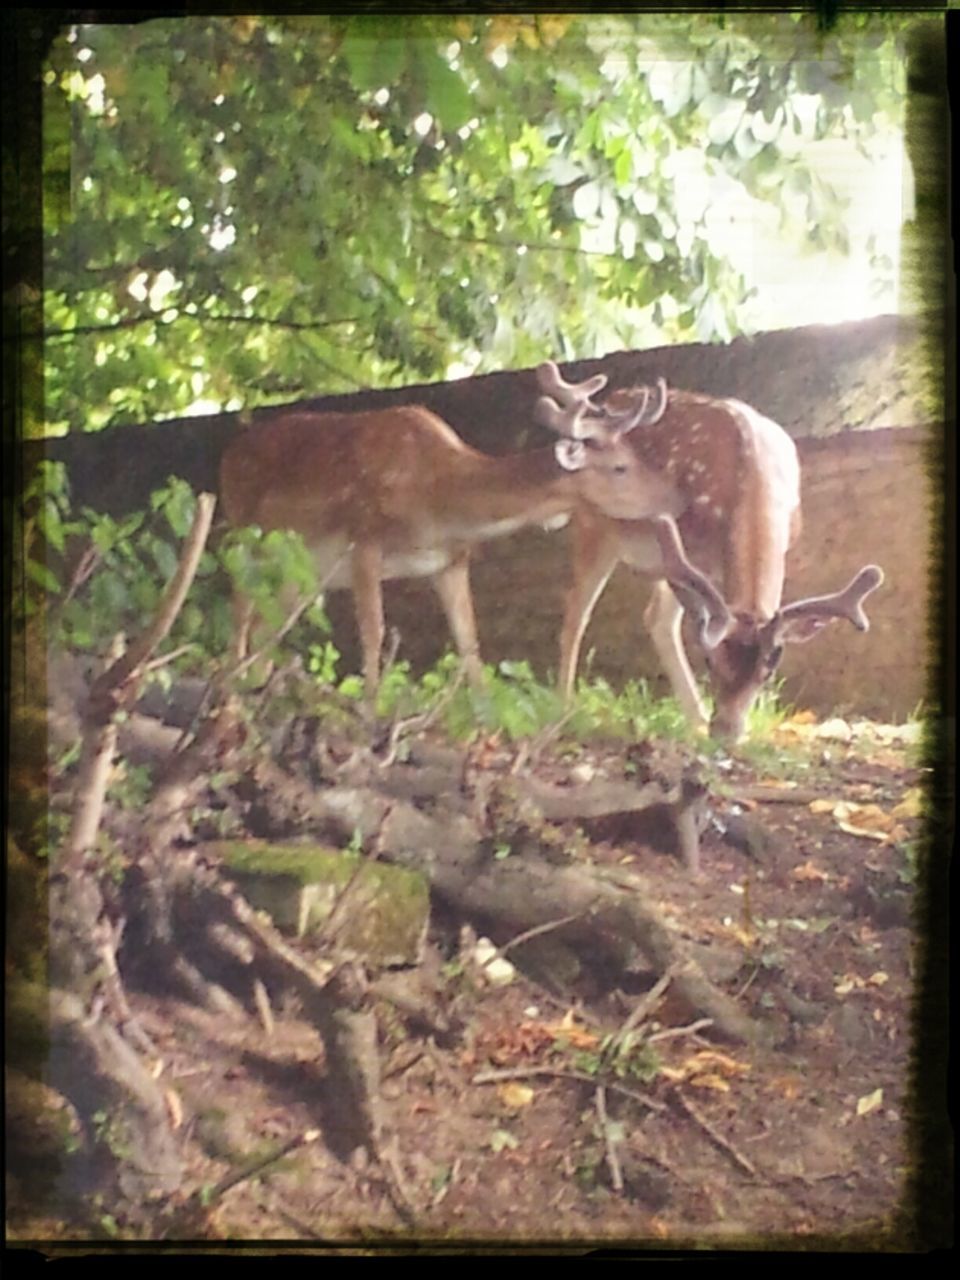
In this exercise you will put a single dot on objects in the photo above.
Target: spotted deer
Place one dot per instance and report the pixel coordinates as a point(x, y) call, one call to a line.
point(395, 493)
point(736, 481)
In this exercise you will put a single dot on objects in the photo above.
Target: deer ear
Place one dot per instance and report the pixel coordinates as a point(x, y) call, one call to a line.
point(571, 454)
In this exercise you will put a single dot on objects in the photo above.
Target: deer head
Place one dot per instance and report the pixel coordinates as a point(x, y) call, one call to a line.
point(594, 443)
point(743, 651)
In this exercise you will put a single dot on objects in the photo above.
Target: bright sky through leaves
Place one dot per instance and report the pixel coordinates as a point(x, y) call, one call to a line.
point(271, 208)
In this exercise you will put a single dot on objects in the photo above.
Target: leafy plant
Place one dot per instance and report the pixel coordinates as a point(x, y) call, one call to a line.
point(238, 207)
point(93, 576)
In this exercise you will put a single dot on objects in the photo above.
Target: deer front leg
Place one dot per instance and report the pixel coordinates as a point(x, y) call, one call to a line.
point(594, 559)
point(663, 617)
point(366, 569)
point(452, 585)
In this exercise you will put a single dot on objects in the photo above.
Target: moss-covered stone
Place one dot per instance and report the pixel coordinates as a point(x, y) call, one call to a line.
point(383, 918)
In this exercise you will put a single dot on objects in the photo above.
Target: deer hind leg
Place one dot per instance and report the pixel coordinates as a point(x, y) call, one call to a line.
point(366, 570)
point(593, 563)
point(452, 585)
point(662, 618)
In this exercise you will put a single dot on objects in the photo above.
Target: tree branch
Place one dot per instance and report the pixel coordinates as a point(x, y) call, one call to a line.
point(133, 321)
point(513, 245)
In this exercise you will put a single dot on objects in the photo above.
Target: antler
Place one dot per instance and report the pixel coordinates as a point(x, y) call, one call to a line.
point(627, 419)
point(801, 620)
point(692, 588)
point(565, 406)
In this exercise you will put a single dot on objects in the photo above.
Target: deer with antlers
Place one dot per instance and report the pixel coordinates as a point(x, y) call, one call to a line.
point(736, 486)
point(395, 493)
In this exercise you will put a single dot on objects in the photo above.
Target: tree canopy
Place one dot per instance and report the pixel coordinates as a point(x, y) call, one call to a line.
point(244, 210)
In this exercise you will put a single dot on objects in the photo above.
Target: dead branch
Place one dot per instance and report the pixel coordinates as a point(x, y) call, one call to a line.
point(719, 1141)
point(528, 934)
point(97, 754)
point(640, 1010)
point(114, 686)
point(301, 605)
point(525, 893)
point(143, 646)
point(609, 1141)
point(401, 729)
point(557, 1073)
point(258, 1164)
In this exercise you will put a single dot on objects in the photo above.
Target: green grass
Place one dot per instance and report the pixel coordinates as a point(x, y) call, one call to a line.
point(515, 703)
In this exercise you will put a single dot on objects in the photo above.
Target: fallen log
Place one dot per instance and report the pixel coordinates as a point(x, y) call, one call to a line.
point(517, 893)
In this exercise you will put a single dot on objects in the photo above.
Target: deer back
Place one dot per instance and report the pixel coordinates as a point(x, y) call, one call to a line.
point(739, 481)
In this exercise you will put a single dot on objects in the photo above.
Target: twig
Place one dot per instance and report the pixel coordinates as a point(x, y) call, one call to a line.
point(258, 1165)
point(300, 607)
point(676, 1033)
point(167, 658)
point(216, 687)
point(268, 937)
point(326, 933)
point(530, 751)
point(539, 929)
point(747, 984)
point(609, 1142)
point(422, 721)
point(273, 679)
point(640, 1010)
point(719, 1141)
point(85, 566)
point(262, 1001)
point(396, 1183)
point(554, 1073)
point(240, 668)
point(392, 649)
point(130, 322)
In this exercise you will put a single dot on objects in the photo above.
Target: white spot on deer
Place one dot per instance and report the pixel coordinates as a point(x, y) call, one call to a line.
point(702, 499)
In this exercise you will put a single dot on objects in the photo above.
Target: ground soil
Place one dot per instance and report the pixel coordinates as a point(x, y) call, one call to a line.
point(805, 1145)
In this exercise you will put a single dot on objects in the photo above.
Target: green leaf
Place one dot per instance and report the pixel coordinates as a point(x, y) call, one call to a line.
point(42, 576)
point(374, 61)
point(447, 97)
point(623, 167)
point(163, 556)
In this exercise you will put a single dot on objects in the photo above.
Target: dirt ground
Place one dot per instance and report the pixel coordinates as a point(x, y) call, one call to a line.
point(807, 916)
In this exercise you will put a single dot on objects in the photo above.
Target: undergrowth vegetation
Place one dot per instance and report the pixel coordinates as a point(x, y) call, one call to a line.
point(90, 577)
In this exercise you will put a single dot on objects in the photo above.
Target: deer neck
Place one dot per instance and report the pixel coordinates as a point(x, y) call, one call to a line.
point(763, 521)
point(496, 494)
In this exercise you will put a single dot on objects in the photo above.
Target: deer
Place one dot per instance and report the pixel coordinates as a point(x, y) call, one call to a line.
point(738, 478)
point(396, 493)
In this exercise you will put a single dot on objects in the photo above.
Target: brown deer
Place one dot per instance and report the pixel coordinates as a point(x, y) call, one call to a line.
point(395, 493)
point(738, 479)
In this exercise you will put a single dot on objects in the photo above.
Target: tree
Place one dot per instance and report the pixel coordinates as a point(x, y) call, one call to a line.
point(252, 209)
